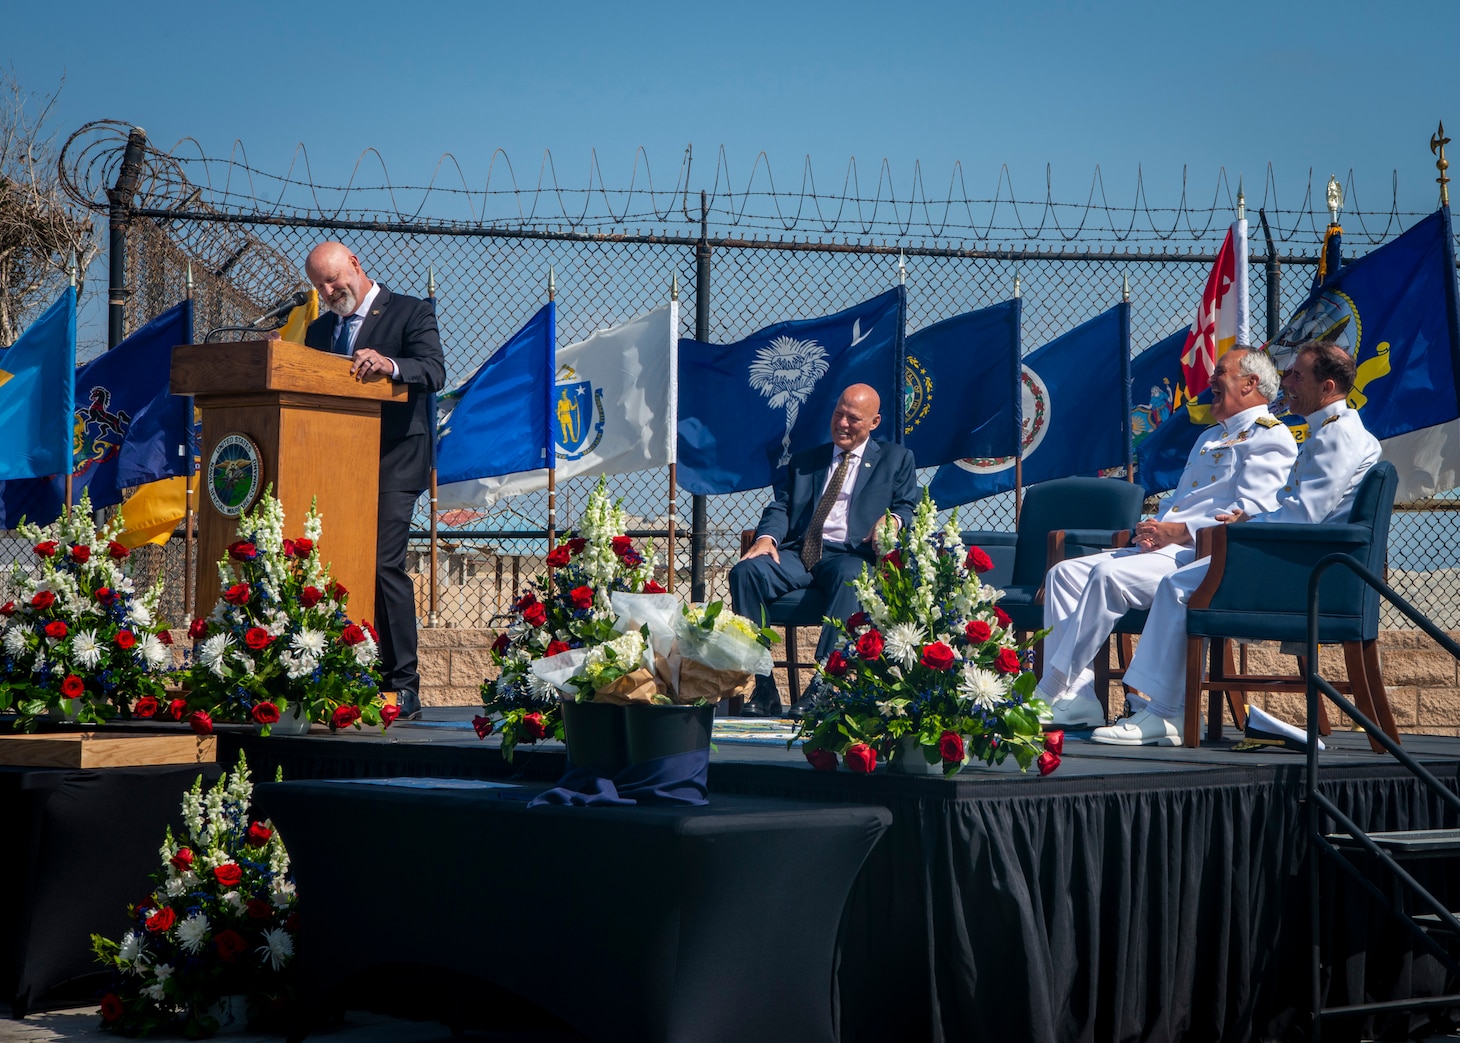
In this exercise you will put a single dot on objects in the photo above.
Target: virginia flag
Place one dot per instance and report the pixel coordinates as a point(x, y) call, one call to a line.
point(126, 428)
point(502, 423)
point(36, 388)
point(612, 409)
point(961, 386)
point(1075, 413)
point(1221, 318)
point(744, 408)
point(1394, 310)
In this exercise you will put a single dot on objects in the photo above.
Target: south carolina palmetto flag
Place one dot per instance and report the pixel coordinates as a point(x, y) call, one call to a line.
point(1221, 318)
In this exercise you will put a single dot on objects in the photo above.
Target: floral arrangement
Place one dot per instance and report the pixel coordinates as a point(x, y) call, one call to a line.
point(569, 608)
point(219, 921)
point(77, 638)
point(930, 667)
point(279, 642)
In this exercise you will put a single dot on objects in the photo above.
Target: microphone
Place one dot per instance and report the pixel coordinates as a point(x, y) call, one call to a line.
point(283, 308)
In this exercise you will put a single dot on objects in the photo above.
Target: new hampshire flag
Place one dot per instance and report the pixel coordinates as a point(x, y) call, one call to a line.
point(36, 387)
point(744, 408)
point(1075, 409)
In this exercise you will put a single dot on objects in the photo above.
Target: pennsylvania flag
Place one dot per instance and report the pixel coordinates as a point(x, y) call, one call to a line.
point(36, 388)
point(1076, 413)
point(744, 408)
point(961, 386)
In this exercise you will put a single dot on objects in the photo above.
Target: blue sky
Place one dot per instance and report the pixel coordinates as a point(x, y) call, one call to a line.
point(1336, 87)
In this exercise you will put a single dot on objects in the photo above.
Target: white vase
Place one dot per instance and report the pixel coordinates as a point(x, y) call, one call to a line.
point(291, 723)
point(912, 761)
point(231, 1013)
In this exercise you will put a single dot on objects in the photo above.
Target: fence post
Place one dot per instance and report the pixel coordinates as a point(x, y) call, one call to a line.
point(1274, 284)
point(118, 218)
point(698, 536)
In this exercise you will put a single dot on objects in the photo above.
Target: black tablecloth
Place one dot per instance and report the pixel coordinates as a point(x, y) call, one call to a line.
point(79, 848)
point(635, 923)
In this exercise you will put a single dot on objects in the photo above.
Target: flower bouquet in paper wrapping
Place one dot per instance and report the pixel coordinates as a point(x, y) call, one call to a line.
point(720, 653)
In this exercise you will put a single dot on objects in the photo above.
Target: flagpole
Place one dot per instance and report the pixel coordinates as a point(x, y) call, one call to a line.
point(72, 465)
point(552, 488)
point(673, 425)
point(188, 484)
point(1019, 439)
point(1130, 453)
point(435, 535)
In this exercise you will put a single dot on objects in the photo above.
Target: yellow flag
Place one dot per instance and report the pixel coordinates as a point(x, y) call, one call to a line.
point(154, 511)
point(299, 319)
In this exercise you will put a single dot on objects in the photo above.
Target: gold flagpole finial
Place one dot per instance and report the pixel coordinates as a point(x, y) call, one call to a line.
point(1437, 146)
point(431, 280)
point(674, 286)
point(552, 283)
point(1335, 199)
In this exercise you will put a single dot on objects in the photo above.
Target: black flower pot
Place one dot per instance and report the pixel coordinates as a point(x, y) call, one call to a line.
point(662, 731)
point(596, 736)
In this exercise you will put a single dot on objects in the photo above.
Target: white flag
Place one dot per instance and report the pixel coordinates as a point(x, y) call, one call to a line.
point(613, 409)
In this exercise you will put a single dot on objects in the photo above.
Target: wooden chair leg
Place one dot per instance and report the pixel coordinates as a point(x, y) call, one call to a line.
point(1189, 736)
point(1236, 699)
point(1358, 678)
point(1101, 666)
point(1219, 668)
point(1374, 677)
point(793, 665)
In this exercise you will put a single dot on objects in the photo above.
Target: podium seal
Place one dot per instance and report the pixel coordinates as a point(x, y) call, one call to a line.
point(235, 471)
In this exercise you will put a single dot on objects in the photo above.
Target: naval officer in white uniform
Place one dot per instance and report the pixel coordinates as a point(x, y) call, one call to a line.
point(1331, 462)
point(1238, 465)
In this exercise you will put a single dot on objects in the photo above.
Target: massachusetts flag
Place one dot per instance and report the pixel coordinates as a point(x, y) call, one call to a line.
point(1221, 318)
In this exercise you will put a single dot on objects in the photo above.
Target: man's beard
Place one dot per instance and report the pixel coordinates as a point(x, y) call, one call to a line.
point(347, 303)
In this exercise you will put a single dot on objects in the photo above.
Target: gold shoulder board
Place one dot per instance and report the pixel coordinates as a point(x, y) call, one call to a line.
point(1267, 421)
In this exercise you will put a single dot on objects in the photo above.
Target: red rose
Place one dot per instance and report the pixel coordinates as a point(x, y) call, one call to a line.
point(1054, 742)
point(126, 639)
point(310, 596)
point(522, 603)
point(1007, 661)
point(115, 550)
point(57, 629)
point(836, 664)
point(532, 724)
point(201, 722)
point(165, 636)
point(977, 560)
point(388, 714)
point(228, 874)
point(483, 725)
point(977, 631)
point(558, 556)
point(146, 707)
point(869, 645)
point(303, 547)
point(950, 747)
point(265, 713)
point(502, 643)
point(230, 945)
point(161, 920)
point(258, 909)
point(43, 600)
point(80, 553)
point(8, 609)
point(622, 545)
point(287, 547)
point(859, 619)
point(183, 859)
point(111, 1007)
point(860, 758)
point(1002, 618)
point(105, 595)
point(370, 630)
point(177, 708)
point(822, 760)
point(1048, 762)
point(582, 597)
point(257, 638)
point(352, 634)
point(198, 628)
point(236, 594)
point(535, 615)
point(343, 717)
point(46, 548)
point(555, 647)
point(937, 656)
point(258, 835)
point(337, 591)
point(242, 551)
point(893, 558)
point(72, 687)
point(653, 588)
point(576, 544)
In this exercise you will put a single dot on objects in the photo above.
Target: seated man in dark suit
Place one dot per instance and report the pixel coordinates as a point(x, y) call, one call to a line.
point(818, 530)
point(388, 336)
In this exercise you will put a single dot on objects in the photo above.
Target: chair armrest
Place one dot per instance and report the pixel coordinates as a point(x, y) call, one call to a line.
point(1091, 541)
point(988, 538)
point(1265, 568)
point(1341, 535)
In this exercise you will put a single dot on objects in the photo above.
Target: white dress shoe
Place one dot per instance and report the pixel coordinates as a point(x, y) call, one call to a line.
point(1076, 711)
point(1144, 729)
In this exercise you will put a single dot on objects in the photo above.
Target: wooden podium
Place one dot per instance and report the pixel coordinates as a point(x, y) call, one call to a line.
point(277, 413)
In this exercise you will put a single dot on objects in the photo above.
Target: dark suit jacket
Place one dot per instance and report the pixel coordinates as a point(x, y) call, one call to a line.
point(888, 480)
point(404, 329)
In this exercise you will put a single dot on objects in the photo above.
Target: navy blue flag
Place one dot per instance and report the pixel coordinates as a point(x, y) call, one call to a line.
point(128, 428)
point(1075, 408)
point(961, 379)
point(1162, 431)
point(502, 422)
point(744, 408)
point(36, 391)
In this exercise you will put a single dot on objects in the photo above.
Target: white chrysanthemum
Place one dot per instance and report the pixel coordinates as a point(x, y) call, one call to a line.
point(152, 651)
point(140, 615)
point(175, 887)
point(986, 688)
point(15, 641)
point(904, 643)
point(277, 948)
point(131, 948)
point(193, 932)
point(308, 642)
point(538, 688)
point(214, 650)
point(86, 649)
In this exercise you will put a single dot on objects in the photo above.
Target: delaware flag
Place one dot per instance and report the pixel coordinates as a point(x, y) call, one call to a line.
point(1394, 310)
point(1221, 318)
point(744, 408)
point(501, 422)
point(126, 427)
point(961, 386)
point(612, 410)
point(1162, 429)
point(37, 377)
point(1075, 412)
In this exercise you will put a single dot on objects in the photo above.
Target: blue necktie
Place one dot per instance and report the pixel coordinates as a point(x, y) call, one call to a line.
point(342, 334)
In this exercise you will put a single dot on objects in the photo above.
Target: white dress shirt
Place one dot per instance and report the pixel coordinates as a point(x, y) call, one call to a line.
point(835, 528)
